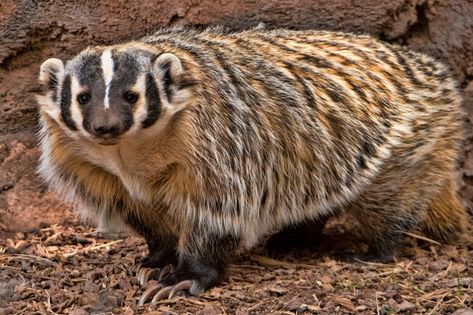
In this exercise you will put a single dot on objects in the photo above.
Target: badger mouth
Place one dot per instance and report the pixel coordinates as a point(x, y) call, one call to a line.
point(107, 141)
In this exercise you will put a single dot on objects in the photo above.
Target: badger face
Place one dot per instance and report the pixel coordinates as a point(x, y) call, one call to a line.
point(107, 94)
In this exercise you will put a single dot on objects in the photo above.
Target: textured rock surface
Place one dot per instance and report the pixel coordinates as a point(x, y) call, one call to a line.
point(31, 31)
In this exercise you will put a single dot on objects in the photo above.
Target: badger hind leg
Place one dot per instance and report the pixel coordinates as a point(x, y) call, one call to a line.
point(395, 203)
point(305, 235)
point(382, 226)
point(445, 218)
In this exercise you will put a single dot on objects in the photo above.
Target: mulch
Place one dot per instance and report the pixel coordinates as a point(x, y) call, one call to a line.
point(71, 269)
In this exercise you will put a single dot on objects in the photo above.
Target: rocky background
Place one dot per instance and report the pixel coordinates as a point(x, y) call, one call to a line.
point(32, 31)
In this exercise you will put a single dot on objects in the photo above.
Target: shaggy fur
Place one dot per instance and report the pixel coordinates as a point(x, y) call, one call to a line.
point(235, 136)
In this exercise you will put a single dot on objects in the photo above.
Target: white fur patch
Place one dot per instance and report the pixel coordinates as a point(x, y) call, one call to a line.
point(76, 113)
point(140, 107)
point(107, 68)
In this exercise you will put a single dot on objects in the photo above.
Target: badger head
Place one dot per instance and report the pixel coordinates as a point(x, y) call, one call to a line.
point(106, 94)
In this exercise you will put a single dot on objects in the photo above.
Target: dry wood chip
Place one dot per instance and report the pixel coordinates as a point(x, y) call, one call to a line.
point(343, 301)
point(270, 262)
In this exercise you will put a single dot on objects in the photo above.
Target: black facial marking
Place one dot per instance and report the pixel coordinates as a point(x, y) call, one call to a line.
point(126, 70)
point(91, 70)
point(66, 103)
point(152, 100)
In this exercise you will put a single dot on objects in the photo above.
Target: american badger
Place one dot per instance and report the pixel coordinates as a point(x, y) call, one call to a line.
point(205, 142)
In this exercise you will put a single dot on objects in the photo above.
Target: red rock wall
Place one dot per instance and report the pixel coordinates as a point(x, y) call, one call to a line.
point(31, 31)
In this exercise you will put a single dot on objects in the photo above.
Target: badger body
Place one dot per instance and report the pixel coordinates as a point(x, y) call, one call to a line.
point(205, 142)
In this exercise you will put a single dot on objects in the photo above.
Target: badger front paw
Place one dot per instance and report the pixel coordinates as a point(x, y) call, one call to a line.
point(190, 277)
point(202, 259)
point(156, 264)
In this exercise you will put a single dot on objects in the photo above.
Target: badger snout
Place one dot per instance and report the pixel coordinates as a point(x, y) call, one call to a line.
point(106, 126)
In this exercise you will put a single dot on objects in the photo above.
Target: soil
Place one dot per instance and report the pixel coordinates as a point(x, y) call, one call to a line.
point(70, 269)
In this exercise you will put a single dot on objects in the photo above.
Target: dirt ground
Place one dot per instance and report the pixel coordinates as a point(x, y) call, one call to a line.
point(69, 269)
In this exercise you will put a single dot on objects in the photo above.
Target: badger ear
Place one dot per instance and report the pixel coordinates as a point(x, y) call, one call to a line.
point(51, 73)
point(50, 76)
point(168, 71)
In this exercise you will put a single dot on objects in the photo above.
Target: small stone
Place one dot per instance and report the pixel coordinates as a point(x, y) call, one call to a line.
point(327, 287)
point(277, 290)
point(302, 308)
point(405, 306)
point(75, 273)
point(268, 277)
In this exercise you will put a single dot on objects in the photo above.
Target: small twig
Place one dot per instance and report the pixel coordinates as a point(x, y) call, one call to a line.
point(371, 263)
point(236, 266)
point(166, 310)
point(408, 265)
point(393, 271)
point(252, 308)
point(91, 248)
point(377, 305)
point(48, 303)
point(29, 275)
point(290, 301)
point(196, 302)
point(445, 272)
point(21, 311)
point(317, 299)
point(437, 305)
point(25, 256)
point(420, 237)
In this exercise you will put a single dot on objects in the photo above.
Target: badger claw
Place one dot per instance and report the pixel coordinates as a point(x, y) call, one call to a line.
point(181, 286)
point(151, 291)
point(161, 293)
point(144, 274)
point(170, 291)
point(166, 270)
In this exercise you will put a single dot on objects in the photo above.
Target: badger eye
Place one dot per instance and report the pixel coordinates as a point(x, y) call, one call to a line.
point(130, 97)
point(83, 98)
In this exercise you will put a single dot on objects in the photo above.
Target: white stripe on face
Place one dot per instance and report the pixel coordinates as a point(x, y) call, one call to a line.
point(76, 113)
point(107, 68)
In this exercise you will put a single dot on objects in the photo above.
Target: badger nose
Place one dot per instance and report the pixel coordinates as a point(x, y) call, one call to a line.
point(108, 126)
point(106, 129)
